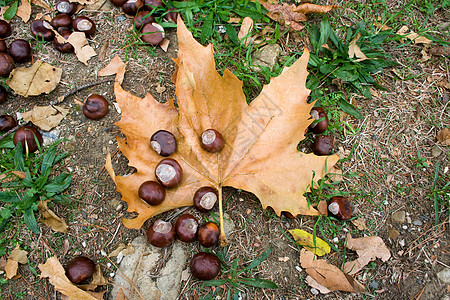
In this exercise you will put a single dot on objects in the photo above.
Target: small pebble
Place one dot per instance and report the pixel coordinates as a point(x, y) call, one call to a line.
point(121, 18)
point(417, 223)
point(405, 227)
point(336, 239)
point(112, 274)
point(298, 269)
point(374, 285)
point(103, 253)
point(83, 244)
point(108, 265)
point(401, 243)
point(314, 292)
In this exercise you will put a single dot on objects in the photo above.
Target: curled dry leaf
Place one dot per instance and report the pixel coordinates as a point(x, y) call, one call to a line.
point(42, 4)
point(322, 207)
point(24, 10)
point(12, 264)
point(309, 8)
point(314, 284)
point(443, 136)
point(416, 38)
point(360, 223)
point(260, 153)
point(285, 15)
point(246, 27)
point(49, 218)
point(40, 78)
point(368, 249)
point(309, 242)
point(83, 51)
point(45, 117)
point(115, 66)
point(328, 275)
point(355, 51)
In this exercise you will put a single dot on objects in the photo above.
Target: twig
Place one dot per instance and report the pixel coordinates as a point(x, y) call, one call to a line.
point(79, 88)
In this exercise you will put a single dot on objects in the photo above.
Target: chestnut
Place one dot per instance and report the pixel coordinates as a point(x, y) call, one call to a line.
point(205, 266)
point(7, 122)
point(161, 233)
point(163, 142)
point(3, 94)
point(152, 192)
point(340, 208)
point(318, 113)
point(95, 107)
point(152, 34)
point(80, 269)
point(205, 198)
point(131, 7)
point(5, 29)
point(152, 4)
point(212, 141)
point(6, 64)
point(186, 228)
point(20, 50)
point(323, 145)
point(208, 234)
point(29, 137)
point(168, 172)
point(143, 17)
point(3, 46)
point(118, 3)
point(84, 24)
point(42, 30)
point(66, 7)
point(172, 15)
point(63, 47)
point(62, 21)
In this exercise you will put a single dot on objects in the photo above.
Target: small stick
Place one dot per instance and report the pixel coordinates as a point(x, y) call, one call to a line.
point(79, 88)
point(223, 238)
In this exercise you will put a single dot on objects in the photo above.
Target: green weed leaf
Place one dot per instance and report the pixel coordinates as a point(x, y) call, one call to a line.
point(349, 109)
point(30, 220)
point(11, 11)
point(259, 283)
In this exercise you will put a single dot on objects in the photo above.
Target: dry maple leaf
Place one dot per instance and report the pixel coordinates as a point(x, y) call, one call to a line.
point(285, 14)
point(260, 154)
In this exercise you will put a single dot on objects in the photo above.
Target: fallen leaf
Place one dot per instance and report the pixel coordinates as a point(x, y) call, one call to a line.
point(45, 117)
point(42, 4)
point(2, 263)
point(57, 277)
point(234, 20)
point(368, 249)
point(381, 27)
point(285, 15)
point(119, 249)
point(322, 207)
point(11, 268)
point(416, 38)
point(283, 259)
point(425, 56)
point(83, 51)
point(40, 78)
point(49, 218)
point(246, 27)
point(115, 66)
point(86, 2)
point(309, 8)
point(355, 51)
point(359, 223)
point(12, 264)
point(19, 174)
point(160, 89)
point(443, 136)
point(312, 283)
point(24, 10)
point(164, 45)
point(328, 275)
point(440, 51)
point(260, 154)
point(97, 279)
point(315, 245)
point(121, 295)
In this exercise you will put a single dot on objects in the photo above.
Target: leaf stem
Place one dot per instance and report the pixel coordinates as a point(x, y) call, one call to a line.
point(223, 238)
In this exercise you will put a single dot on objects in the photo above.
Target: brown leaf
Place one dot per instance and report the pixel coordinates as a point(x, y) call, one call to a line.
point(42, 4)
point(24, 10)
point(57, 277)
point(115, 66)
point(322, 207)
point(49, 218)
point(98, 278)
point(440, 51)
point(19, 174)
point(328, 275)
point(355, 51)
point(2, 263)
point(260, 154)
point(360, 223)
point(368, 249)
point(308, 8)
point(45, 117)
point(40, 78)
point(312, 283)
point(12, 264)
point(285, 15)
point(83, 51)
point(443, 136)
point(120, 295)
point(416, 38)
point(11, 268)
point(246, 27)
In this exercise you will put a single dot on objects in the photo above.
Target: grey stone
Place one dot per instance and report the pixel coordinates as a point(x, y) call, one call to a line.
point(436, 151)
point(136, 268)
point(444, 276)
point(417, 223)
point(228, 224)
point(267, 57)
point(374, 285)
point(399, 216)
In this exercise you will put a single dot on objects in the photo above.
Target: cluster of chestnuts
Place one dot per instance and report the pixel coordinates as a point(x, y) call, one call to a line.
point(63, 23)
point(323, 144)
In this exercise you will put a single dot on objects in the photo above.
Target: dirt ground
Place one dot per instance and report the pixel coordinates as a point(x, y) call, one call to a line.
point(393, 152)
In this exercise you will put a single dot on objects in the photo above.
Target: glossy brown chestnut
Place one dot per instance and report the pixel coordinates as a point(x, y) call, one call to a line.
point(95, 107)
point(186, 228)
point(152, 4)
point(172, 15)
point(27, 136)
point(143, 17)
point(205, 266)
point(340, 208)
point(152, 34)
point(20, 50)
point(152, 192)
point(163, 142)
point(7, 122)
point(323, 145)
point(6, 64)
point(62, 21)
point(161, 233)
point(168, 172)
point(3, 46)
point(205, 198)
point(318, 113)
point(84, 24)
point(63, 47)
point(42, 30)
point(118, 3)
point(66, 7)
point(212, 141)
point(208, 234)
point(3, 94)
point(131, 7)
point(80, 269)
point(5, 29)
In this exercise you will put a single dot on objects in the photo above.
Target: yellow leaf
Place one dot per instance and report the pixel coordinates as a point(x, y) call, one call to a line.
point(318, 247)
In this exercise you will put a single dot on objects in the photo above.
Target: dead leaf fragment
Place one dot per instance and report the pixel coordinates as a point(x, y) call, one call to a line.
point(115, 66)
point(416, 38)
point(328, 275)
point(360, 223)
point(45, 117)
point(83, 51)
point(42, 4)
point(40, 78)
point(443, 136)
point(285, 15)
point(121, 295)
point(49, 218)
point(322, 207)
point(24, 10)
point(160, 89)
point(368, 249)
point(312, 283)
point(12, 264)
point(246, 27)
point(309, 8)
point(57, 277)
point(355, 51)
point(309, 242)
